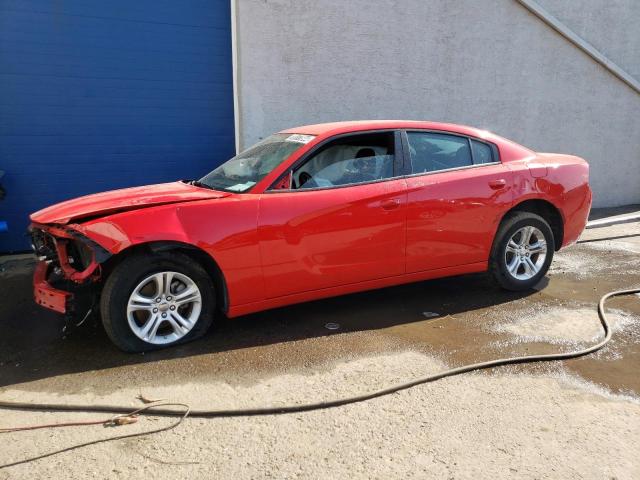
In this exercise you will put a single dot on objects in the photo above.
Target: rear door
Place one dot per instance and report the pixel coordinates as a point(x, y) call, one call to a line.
point(457, 192)
point(343, 220)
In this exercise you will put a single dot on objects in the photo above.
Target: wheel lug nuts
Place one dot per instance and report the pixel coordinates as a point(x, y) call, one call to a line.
point(155, 310)
point(158, 299)
point(172, 307)
point(169, 299)
point(164, 315)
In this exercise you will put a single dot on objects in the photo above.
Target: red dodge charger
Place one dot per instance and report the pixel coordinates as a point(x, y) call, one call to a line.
point(308, 213)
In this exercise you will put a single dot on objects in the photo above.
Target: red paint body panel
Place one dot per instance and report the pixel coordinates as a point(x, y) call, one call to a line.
point(453, 216)
point(224, 228)
point(565, 185)
point(278, 248)
point(237, 310)
point(46, 295)
point(121, 200)
point(311, 240)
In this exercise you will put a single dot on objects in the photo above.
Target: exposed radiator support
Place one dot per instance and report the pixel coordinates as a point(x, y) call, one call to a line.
point(586, 47)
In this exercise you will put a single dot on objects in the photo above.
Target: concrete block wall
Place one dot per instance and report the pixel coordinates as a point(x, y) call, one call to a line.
point(490, 64)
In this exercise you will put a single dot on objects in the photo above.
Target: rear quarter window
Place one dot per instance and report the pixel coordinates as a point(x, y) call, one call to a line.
point(482, 153)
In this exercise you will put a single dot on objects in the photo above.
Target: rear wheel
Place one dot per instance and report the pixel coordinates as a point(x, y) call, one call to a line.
point(155, 301)
point(522, 251)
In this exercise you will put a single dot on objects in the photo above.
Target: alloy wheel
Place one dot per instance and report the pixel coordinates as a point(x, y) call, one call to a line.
point(525, 253)
point(164, 307)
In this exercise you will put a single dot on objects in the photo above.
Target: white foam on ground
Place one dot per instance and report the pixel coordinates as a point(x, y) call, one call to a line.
point(580, 383)
point(576, 263)
point(564, 325)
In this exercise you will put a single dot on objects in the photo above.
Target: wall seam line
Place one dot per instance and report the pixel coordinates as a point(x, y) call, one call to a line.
point(539, 11)
point(236, 74)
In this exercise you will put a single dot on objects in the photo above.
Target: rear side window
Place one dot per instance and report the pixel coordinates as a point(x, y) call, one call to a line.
point(482, 152)
point(431, 152)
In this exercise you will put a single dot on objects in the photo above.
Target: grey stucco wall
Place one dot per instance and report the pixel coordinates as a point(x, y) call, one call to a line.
point(489, 63)
point(613, 27)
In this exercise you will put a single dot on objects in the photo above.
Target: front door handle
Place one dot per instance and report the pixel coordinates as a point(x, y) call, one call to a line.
point(498, 184)
point(390, 204)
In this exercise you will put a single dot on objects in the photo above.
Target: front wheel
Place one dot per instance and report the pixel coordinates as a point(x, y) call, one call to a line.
point(155, 301)
point(522, 251)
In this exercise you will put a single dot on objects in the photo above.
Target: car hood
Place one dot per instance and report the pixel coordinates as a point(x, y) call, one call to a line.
point(114, 201)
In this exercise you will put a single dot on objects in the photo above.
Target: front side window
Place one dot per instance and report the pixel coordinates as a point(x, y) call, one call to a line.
point(348, 160)
point(243, 171)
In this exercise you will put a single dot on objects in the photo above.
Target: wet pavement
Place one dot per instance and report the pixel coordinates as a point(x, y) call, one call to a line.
point(459, 320)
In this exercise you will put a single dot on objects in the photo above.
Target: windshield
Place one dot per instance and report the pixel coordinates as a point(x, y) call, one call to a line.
point(249, 167)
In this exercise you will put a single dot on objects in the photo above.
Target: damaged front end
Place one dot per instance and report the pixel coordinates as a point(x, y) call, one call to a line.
point(68, 271)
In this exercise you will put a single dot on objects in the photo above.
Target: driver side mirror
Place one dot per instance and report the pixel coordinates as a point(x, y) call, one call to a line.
point(286, 183)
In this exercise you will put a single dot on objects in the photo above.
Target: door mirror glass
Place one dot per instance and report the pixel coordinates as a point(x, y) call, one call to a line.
point(285, 183)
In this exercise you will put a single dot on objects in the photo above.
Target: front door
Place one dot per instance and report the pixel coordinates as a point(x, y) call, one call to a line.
point(342, 222)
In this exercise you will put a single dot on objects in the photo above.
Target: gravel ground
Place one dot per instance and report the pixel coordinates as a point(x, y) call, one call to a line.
point(490, 426)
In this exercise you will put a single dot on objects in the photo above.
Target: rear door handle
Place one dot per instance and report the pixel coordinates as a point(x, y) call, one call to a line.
point(498, 184)
point(390, 204)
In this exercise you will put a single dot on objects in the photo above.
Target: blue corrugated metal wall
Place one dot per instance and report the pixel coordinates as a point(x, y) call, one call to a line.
point(96, 95)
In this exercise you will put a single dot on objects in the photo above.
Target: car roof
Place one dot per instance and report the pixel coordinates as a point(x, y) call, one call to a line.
point(363, 125)
point(509, 150)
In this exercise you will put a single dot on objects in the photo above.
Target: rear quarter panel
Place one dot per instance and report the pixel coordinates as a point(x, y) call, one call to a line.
point(562, 180)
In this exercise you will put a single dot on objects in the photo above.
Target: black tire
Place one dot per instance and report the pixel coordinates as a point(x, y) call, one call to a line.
point(497, 260)
point(127, 275)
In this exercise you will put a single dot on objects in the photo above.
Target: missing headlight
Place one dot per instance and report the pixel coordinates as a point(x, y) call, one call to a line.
point(79, 255)
point(44, 245)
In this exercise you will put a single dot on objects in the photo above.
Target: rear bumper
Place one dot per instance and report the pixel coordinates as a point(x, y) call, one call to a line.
point(46, 295)
point(576, 222)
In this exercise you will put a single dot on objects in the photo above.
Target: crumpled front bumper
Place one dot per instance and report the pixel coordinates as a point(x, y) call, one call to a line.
point(69, 260)
point(45, 294)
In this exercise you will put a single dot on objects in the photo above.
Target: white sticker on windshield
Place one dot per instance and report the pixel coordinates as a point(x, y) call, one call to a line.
point(241, 187)
point(298, 138)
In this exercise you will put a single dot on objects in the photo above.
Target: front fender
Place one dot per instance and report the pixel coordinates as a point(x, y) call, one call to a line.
point(225, 229)
point(121, 231)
